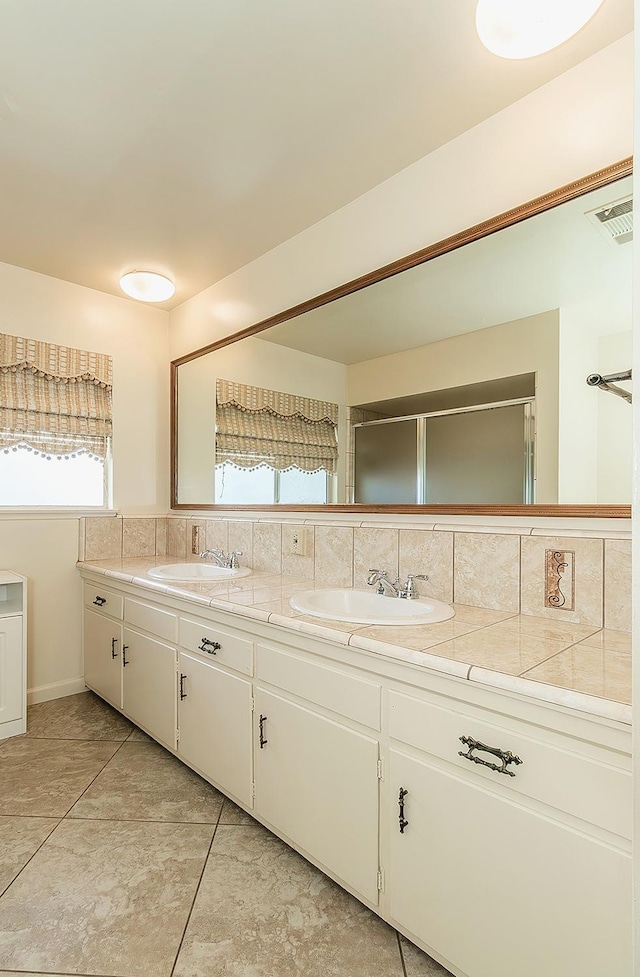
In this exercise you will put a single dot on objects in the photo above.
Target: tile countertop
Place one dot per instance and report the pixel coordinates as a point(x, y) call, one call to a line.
point(573, 665)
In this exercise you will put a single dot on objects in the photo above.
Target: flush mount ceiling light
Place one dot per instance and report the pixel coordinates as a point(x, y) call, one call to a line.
point(147, 286)
point(524, 28)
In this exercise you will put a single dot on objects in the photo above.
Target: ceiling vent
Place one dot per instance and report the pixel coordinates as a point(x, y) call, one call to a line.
point(614, 220)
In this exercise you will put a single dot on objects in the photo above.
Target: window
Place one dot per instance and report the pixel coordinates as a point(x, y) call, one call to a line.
point(55, 424)
point(273, 446)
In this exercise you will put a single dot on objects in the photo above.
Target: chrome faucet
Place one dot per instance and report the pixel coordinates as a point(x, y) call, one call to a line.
point(221, 558)
point(385, 587)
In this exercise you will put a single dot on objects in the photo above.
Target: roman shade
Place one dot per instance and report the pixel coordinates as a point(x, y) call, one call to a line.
point(256, 426)
point(54, 399)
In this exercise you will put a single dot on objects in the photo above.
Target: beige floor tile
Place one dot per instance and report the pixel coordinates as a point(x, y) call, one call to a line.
point(144, 782)
point(46, 777)
point(20, 838)
point(77, 717)
point(139, 736)
point(419, 964)
point(104, 898)
point(232, 814)
point(262, 910)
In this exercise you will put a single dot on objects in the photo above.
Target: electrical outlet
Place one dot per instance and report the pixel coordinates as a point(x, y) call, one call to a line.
point(195, 539)
point(299, 541)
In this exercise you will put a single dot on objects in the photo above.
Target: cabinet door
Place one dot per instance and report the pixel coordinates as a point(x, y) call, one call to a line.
point(214, 718)
point(11, 669)
point(499, 890)
point(102, 657)
point(317, 783)
point(149, 685)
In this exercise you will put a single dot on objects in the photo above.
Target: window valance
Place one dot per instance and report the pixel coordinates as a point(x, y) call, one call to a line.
point(54, 399)
point(256, 426)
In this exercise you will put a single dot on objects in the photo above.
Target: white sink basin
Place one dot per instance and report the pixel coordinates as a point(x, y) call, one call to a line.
point(367, 607)
point(196, 572)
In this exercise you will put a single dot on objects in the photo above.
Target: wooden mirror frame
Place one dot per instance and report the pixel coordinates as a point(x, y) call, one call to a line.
point(571, 191)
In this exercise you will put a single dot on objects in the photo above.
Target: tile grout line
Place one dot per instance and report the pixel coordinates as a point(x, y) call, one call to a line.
point(31, 857)
point(402, 960)
point(195, 895)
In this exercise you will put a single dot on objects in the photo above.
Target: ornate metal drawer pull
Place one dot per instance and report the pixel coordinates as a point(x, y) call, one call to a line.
point(263, 739)
point(99, 601)
point(206, 644)
point(506, 756)
point(402, 821)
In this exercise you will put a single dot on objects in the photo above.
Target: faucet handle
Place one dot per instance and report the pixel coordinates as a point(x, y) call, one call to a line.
point(233, 559)
point(410, 591)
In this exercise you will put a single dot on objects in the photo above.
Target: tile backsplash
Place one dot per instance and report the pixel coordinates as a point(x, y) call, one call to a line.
point(501, 569)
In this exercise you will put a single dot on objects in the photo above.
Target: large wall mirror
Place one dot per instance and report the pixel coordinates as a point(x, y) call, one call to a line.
point(455, 378)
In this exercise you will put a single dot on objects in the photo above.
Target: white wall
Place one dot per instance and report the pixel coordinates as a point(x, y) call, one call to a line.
point(45, 550)
point(576, 124)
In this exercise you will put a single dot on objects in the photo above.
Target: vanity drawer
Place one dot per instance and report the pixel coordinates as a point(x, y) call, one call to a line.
point(100, 598)
point(222, 646)
point(155, 620)
point(593, 784)
point(331, 688)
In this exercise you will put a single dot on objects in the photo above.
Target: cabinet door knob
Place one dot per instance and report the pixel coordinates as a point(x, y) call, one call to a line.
point(125, 660)
point(206, 644)
point(99, 601)
point(402, 821)
point(183, 694)
point(505, 756)
point(263, 739)
point(114, 653)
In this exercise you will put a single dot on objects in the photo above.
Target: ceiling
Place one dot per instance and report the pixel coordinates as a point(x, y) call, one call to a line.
point(190, 136)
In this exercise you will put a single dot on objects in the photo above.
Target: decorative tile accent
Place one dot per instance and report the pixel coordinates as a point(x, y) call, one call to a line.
point(559, 579)
point(177, 538)
point(138, 537)
point(617, 584)
point(103, 538)
point(431, 553)
point(374, 548)
point(334, 556)
point(588, 578)
point(199, 525)
point(267, 547)
point(487, 570)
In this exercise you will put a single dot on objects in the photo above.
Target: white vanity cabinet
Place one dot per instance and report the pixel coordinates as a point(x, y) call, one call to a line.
point(486, 867)
point(317, 752)
point(149, 669)
point(13, 654)
point(215, 706)
point(102, 642)
point(330, 747)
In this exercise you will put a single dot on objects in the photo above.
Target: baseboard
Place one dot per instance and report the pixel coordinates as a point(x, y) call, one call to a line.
point(42, 693)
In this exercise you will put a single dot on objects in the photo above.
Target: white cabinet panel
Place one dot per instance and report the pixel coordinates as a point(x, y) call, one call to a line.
point(103, 656)
point(340, 691)
point(317, 783)
point(157, 620)
point(11, 669)
point(214, 718)
point(590, 787)
point(499, 890)
point(149, 685)
point(224, 646)
point(104, 600)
